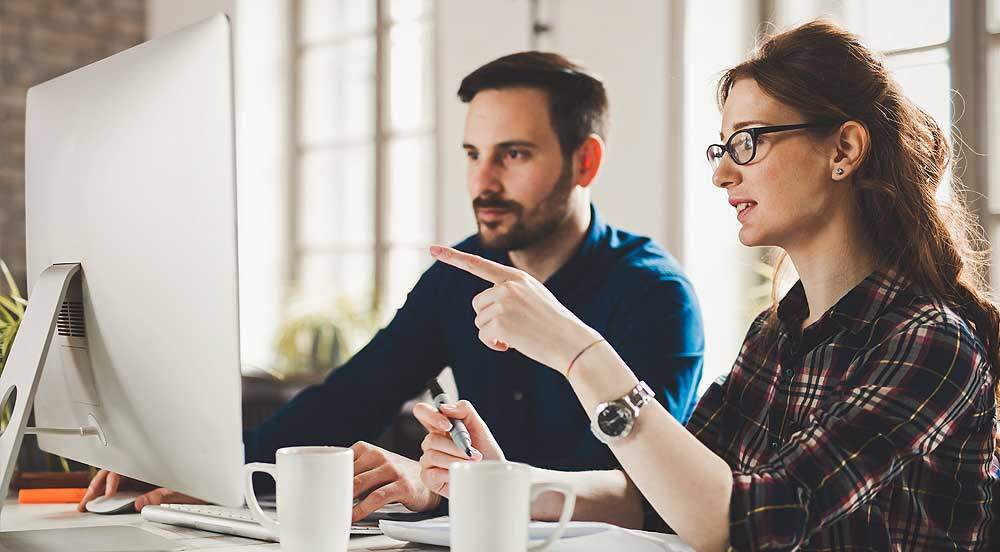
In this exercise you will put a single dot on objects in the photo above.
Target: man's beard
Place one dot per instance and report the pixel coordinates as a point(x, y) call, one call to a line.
point(533, 227)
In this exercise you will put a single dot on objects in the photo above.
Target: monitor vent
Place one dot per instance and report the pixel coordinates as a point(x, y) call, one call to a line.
point(70, 322)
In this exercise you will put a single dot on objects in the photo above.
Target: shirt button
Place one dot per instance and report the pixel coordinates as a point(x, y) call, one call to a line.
point(518, 395)
point(789, 373)
point(773, 444)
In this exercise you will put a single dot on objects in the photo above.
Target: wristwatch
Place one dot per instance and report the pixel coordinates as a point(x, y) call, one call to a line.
point(614, 420)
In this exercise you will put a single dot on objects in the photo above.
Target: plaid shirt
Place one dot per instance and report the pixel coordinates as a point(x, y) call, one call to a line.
point(872, 429)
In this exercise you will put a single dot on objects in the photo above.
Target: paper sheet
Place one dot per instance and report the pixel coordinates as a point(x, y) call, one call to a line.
point(579, 536)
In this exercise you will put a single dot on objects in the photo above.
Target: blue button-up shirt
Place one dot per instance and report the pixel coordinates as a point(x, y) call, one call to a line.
point(622, 285)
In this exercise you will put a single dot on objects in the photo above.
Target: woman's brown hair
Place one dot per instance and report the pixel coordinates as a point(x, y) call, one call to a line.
point(827, 74)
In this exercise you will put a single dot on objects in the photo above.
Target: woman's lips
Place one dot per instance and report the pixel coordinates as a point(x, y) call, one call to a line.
point(742, 214)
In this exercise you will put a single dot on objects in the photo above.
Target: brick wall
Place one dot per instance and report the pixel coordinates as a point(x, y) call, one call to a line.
point(39, 40)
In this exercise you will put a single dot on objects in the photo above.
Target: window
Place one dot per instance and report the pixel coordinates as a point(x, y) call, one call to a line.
point(719, 266)
point(913, 35)
point(363, 207)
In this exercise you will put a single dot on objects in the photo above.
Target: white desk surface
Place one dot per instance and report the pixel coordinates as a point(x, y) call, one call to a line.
point(19, 517)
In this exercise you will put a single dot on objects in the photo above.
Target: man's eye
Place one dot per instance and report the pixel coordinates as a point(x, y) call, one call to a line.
point(515, 154)
point(471, 155)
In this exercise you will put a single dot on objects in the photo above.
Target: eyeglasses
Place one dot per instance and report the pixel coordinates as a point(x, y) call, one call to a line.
point(742, 144)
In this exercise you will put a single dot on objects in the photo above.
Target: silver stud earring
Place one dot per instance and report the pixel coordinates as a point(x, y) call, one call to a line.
point(840, 171)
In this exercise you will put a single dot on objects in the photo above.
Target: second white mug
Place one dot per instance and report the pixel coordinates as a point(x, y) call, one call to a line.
point(490, 507)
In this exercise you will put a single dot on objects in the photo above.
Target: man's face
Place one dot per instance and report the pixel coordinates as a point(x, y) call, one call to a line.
point(519, 182)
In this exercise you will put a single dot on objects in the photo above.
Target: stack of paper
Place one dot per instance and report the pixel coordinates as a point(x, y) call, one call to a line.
point(580, 536)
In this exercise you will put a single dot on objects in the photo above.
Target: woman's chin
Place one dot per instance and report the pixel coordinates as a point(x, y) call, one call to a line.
point(748, 238)
point(751, 237)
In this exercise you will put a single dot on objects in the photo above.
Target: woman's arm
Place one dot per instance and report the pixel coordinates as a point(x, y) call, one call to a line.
point(685, 482)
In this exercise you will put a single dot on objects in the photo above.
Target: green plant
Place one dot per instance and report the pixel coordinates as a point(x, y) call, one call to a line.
point(11, 312)
point(315, 339)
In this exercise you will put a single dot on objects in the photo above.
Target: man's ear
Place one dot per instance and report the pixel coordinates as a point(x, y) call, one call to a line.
point(587, 160)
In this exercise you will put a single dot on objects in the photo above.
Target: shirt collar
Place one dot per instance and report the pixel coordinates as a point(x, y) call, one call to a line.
point(584, 255)
point(857, 309)
point(595, 235)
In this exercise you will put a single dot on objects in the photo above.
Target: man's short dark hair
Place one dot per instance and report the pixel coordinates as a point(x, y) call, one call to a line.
point(578, 105)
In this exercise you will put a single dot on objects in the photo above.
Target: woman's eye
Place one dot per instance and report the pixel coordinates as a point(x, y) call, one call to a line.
point(472, 155)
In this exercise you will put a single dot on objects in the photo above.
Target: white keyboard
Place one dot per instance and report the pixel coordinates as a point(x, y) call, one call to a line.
point(241, 514)
point(231, 521)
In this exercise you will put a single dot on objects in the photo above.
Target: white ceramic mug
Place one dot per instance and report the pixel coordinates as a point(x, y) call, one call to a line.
point(314, 495)
point(490, 507)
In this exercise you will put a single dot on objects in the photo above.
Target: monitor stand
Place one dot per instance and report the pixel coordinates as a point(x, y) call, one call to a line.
point(19, 382)
point(23, 369)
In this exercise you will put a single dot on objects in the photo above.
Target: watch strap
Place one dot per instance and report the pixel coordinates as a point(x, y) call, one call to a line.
point(640, 395)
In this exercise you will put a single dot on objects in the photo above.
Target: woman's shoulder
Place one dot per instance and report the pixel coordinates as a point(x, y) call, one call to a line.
point(922, 331)
point(917, 311)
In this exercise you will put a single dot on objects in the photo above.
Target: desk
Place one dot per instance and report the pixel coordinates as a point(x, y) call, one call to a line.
point(18, 517)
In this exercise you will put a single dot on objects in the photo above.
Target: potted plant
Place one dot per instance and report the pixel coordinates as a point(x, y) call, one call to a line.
point(11, 312)
point(315, 340)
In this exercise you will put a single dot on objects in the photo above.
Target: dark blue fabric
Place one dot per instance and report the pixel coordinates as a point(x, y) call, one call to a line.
point(622, 285)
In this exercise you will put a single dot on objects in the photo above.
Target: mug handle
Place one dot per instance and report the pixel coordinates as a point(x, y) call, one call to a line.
point(567, 512)
point(255, 510)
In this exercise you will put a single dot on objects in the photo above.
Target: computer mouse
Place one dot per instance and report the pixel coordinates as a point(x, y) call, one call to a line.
point(120, 503)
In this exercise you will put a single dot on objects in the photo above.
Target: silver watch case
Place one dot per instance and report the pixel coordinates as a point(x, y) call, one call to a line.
point(614, 420)
point(622, 409)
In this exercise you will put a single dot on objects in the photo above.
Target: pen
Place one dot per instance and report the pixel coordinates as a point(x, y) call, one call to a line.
point(459, 434)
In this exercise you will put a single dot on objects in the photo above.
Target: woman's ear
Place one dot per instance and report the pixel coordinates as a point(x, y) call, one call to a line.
point(850, 148)
point(587, 160)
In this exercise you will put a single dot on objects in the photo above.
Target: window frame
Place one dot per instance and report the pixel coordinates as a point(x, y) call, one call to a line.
point(381, 139)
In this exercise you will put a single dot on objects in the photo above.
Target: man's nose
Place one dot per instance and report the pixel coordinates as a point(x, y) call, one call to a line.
point(486, 178)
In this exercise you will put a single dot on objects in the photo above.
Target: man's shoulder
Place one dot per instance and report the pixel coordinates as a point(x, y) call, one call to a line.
point(640, 263)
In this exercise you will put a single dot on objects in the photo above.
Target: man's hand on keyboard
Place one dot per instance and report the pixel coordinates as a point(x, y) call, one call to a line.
point(107, 483)
point(387, 477)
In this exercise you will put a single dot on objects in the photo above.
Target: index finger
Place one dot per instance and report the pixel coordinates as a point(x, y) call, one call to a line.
point(430, 418)
point(474, 264)
point(97, 484)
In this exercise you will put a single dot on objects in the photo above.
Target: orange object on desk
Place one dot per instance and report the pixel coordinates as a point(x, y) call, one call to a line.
point(50, 496)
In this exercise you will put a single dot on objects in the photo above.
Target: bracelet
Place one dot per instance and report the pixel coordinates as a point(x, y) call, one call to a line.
point(578, 355)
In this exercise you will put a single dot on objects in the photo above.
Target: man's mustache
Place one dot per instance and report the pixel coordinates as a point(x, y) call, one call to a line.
point(495, 203)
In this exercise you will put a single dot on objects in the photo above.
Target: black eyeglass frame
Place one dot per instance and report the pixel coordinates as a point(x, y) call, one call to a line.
point(754, 132)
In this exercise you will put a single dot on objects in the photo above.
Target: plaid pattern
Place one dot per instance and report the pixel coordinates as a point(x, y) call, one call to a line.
point(873, 429)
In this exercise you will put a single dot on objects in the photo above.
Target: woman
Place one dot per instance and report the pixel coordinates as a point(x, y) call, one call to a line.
point(860, 411)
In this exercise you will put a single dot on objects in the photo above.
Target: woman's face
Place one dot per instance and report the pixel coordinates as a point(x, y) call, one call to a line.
point(788, 184)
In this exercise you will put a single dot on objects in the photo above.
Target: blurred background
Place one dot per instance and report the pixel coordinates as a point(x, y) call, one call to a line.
point(349, 137)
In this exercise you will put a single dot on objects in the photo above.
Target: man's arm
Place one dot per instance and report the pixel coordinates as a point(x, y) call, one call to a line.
point(601, 495)
point(354, 403)
point(359, 399)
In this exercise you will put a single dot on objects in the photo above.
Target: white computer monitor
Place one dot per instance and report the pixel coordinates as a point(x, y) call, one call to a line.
point(130, 177)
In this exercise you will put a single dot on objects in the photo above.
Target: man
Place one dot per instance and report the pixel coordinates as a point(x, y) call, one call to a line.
point(534, 142)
